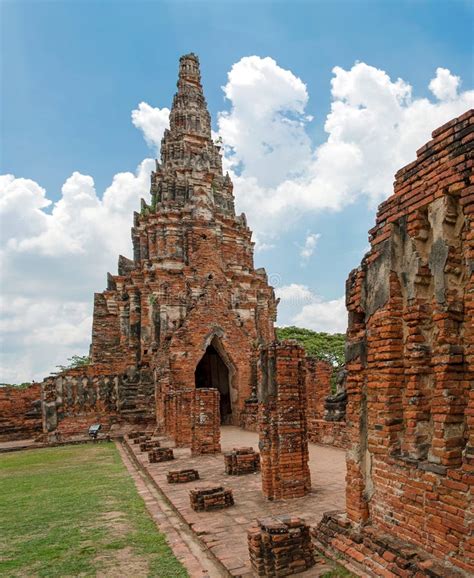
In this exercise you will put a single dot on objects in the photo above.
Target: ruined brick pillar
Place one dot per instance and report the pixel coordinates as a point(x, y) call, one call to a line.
point(282, 419)
point(205, 422)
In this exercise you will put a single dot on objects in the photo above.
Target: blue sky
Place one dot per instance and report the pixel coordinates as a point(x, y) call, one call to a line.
point(72, 72)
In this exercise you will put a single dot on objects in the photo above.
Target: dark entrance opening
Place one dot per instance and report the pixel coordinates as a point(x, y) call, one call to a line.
point(211, 371)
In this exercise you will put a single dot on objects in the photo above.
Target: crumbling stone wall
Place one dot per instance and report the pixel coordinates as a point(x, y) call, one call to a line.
point(20, 412)
point(75, 399)
point(283, 430)
point(318, 388)
point(410, 359)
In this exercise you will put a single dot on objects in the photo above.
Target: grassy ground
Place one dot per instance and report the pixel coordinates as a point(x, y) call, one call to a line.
point(74, 511)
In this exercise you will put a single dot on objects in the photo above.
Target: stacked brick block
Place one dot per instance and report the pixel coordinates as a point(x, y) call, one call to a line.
point(149, 445)
point(159, 455)
point(205, 422)
point(280, 547)
point(211, 498)
point(283, 431)
point(241, 461)
point(182, 476)
point(410, 363)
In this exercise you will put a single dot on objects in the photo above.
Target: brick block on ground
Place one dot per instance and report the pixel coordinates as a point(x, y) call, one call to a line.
point(141, 439)
point(280, 546)
point(149, 445)
point(182, 476)
point(160, 455)
point(241, 461)
point(133, 435)
point(211, 498)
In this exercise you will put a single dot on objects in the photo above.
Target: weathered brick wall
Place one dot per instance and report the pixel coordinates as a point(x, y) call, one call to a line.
point(318, 387)
point(75, 399)
point(283, 430)
point(410, 356)
point(20, 412)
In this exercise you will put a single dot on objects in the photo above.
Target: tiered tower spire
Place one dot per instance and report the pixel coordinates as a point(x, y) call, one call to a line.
point(189, 156)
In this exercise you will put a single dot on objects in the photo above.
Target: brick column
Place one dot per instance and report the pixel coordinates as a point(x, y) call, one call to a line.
point(282, 418)
point(205, 422)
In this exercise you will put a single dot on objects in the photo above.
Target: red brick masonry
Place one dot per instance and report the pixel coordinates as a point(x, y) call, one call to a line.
point(241, 461)
point(410, 362)
point(283, 432)
point(280, 546)
point(182, 476)
point(211, 498)
point(160, 455)
point(20, 412)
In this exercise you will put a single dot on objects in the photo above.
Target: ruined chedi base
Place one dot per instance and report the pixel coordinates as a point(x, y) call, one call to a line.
point(410, 363)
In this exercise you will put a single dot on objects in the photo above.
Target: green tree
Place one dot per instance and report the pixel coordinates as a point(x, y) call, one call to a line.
point(74, 362)
point(324, 346)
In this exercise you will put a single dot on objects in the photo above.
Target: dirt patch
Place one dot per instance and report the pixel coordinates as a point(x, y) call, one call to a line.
point(117, 523)
point(120, 563)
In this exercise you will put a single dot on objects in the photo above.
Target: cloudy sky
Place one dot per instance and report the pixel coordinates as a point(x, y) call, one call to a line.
point(317, 103)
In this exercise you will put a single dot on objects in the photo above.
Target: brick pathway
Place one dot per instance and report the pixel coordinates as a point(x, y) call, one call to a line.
point(225, 531)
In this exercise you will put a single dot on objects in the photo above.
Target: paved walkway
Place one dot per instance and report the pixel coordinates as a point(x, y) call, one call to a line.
point(225, 531)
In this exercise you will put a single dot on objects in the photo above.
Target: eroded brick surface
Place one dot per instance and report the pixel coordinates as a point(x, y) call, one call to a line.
point(241, 461)
point(410, 361)
point(280, 546)
point(20, 412)
point(283, 430)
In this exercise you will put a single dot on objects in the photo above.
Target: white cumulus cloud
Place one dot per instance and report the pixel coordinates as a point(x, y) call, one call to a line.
point(152, 122)
point(309, 246)
point(445, 85)
point(53, 262)
point(300, 306)
point(374, 127)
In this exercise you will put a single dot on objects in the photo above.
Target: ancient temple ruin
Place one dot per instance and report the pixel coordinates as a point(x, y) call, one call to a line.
point(183, 342)
point(190, 305)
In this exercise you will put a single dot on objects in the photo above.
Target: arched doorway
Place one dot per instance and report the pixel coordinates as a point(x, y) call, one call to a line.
point(212, 371)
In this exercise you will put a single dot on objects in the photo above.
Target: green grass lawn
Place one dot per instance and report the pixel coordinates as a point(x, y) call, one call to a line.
point(74, 510)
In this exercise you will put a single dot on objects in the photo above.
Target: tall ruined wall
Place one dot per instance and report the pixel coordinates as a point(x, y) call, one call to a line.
point(410, 356)
point(20, 412)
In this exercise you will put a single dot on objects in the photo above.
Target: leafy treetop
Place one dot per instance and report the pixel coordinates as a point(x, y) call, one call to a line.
point(324, 346)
